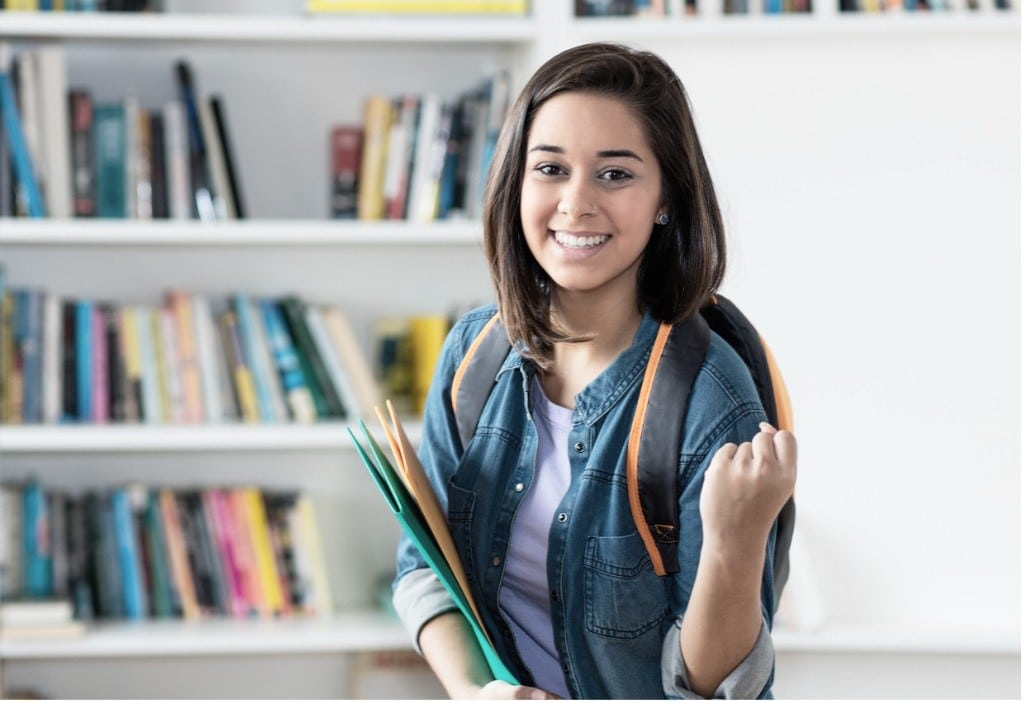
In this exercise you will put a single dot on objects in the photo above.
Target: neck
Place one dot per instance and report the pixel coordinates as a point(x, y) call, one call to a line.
point(610, 325)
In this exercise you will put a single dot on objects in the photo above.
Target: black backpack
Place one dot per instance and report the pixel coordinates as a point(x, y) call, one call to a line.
point(656, 433)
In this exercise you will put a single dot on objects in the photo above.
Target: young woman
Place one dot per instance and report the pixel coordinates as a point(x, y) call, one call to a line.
point(600, 223)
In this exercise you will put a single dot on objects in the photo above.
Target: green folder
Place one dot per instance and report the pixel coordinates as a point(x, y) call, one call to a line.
point(409, 515)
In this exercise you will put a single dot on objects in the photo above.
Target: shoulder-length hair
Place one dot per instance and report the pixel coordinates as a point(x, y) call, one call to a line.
point(684, 262)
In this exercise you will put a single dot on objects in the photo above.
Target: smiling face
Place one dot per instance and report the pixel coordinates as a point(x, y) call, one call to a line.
point(591, 193)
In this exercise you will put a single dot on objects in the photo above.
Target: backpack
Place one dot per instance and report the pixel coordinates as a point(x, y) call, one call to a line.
point(655, 438)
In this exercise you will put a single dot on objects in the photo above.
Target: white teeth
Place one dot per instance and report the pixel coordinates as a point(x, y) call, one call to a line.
point(580, 242)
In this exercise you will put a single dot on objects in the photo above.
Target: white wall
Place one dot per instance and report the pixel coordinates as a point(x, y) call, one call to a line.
point(872, 191)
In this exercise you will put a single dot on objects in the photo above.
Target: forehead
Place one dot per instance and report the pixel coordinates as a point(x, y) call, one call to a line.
point(588, 122)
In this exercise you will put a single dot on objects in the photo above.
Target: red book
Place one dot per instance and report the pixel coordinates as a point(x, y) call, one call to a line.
point(346, 151)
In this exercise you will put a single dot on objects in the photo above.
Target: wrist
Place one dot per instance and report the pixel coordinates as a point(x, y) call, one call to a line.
point(734, 548)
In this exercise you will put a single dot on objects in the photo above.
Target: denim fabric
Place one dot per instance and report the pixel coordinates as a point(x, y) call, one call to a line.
point(610, 612)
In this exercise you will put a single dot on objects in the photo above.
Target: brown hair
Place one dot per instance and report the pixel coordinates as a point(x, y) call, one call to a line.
point(684, 261)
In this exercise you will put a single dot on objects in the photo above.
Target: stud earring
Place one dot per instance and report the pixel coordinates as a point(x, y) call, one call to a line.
point(663, 219)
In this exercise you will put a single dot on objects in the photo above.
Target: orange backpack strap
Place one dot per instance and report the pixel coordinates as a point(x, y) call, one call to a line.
point(652, 454)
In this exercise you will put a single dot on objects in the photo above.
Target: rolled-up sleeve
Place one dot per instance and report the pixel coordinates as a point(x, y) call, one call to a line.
point(419, 597)
point(751, 679)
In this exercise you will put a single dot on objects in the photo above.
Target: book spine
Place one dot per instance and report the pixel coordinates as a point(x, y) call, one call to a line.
point(265, 564)
point(12, 551)
point(177, 556)
point(300, 401)
point(158, 165)
point(81, 153)
point(38, 554)
point(164, 597)
point(28, 336)
point(244, 389)
point(110, 151)
point(223, 203)
point(339, 375)
point(84, 358)
point(52, 371)
point(128, 556)
point(328, 404)
point(198, 164)
point(152, 409)
point(234, 177)
point(215, 504)
point(176, 155)
point(207, 353)
point(344, 339)
point(346, 147)
point(376, 129)
point(260, 376)
point(183, 313)
point(55, 129)
point(100, 411)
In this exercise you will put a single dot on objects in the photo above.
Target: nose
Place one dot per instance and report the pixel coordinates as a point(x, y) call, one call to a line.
point(577, 198)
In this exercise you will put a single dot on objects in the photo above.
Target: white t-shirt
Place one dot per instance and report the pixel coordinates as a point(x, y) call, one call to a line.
point(524, 596)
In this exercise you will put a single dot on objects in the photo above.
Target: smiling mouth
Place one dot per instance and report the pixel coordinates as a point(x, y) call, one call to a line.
point(573, 241)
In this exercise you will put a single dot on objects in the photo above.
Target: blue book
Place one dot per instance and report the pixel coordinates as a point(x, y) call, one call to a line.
point(286, 359)
point(128, 558)
point(83, 358)
point(27, 183)
point(38, 567)
point(28, 338)
point(110, 157)
point(247, 330)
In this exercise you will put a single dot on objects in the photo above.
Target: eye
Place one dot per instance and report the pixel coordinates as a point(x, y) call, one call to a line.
point(549, 169)
point(614, 174)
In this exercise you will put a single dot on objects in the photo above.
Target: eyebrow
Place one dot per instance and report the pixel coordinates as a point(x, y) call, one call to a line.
point(605, 153)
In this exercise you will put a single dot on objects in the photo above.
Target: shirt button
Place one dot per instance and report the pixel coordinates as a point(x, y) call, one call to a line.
point(562, 517)
point(580, 447)
point(519, 487)
point(554, 595)
point(495, 561)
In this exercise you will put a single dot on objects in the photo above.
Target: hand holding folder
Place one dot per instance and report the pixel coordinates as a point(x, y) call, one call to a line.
point(410, 496)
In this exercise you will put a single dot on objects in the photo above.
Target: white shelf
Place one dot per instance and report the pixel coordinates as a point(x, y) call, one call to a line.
point(375, 631)
point(888, 638)
point(121, 232)
point(202, 437)
point(358, 631)
point(794, 25)
point(276, 29)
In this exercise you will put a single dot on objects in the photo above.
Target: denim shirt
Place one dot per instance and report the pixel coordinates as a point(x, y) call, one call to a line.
point(615, 622)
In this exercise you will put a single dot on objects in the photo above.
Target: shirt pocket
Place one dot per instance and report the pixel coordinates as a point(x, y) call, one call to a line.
point(624, 596)
point(461, 505)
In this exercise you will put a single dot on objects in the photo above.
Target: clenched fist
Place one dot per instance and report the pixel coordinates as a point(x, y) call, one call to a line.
point(745, 487)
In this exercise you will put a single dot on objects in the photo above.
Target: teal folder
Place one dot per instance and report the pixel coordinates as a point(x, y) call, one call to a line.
point(409, 514)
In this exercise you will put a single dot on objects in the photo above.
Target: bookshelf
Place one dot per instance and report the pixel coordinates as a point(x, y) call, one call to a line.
point(317, 66)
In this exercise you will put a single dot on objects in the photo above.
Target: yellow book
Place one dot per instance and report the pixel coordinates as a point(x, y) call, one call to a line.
point(323, 602)
point(426, 334)
point(377, 115)
point(266, 565)
point(426, 7)
point(23, 4)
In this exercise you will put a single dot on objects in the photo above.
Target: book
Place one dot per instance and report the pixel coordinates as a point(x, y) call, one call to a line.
point(38, 619)
point(28, 336)
point(176, 158)
point(325, 396)
point(426, 337)
point(29, 193)
point(208, 359)
point(110, 155)
point(164, 599)
point(220, 120)
point(83, 359)
point(223, 202)
point(80, 579)
point(100, 402)
point(266, 567)
point(343, 337)
point(83, 196)
point(177, 555)
point(401, 162)
point(411, 499)
point(200, 184)
point(12, 555)
point(346, 148)
point(128, 555)
point(286, 361)
point(377, 116)
point(158, 165)
point(52, 359)
point(244, 390)
point(253, 345)
point(339, 376)
point(180, 304)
